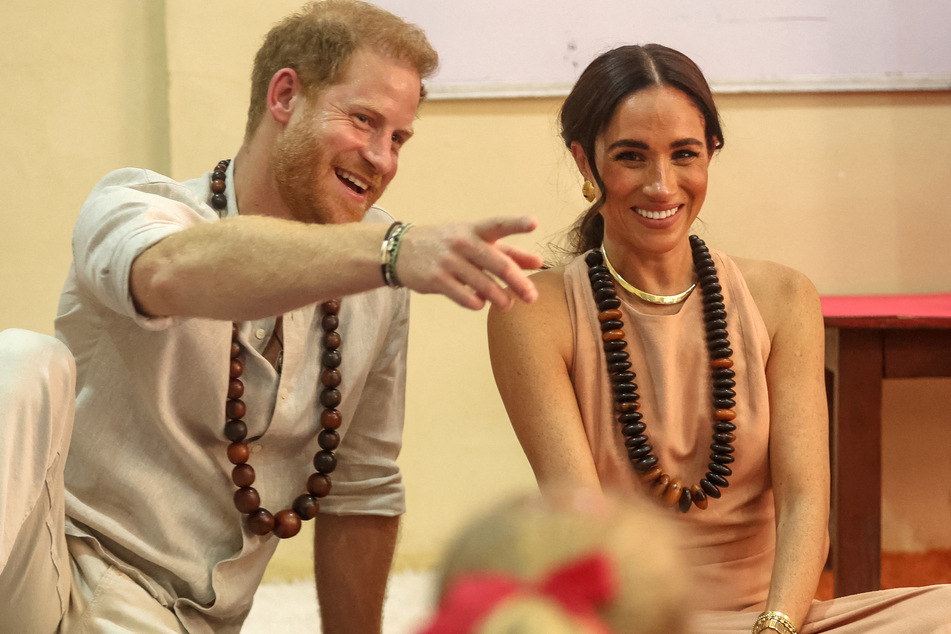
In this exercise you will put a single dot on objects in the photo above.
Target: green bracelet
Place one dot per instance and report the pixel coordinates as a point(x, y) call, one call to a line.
point(390, 251)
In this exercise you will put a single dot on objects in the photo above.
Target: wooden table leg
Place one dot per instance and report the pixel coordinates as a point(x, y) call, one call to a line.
point(857, 461)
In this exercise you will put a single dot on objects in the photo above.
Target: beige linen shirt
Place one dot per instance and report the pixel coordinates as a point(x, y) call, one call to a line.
point(148, 479)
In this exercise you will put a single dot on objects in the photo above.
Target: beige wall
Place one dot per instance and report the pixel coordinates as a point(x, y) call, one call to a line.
point(853, 189)
point(81, 92)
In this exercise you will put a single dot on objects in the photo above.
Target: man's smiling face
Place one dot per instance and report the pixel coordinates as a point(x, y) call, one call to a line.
point(340, 149)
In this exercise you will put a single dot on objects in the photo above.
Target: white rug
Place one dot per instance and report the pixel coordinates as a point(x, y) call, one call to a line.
point(292, 607)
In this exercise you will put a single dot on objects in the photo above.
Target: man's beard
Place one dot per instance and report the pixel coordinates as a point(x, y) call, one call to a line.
point(292, 161)
point(297, 162)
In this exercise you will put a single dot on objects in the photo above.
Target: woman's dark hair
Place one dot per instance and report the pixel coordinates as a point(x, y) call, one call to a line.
point(603, 85)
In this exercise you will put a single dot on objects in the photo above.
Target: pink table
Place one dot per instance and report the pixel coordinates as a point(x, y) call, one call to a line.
point(870, 338)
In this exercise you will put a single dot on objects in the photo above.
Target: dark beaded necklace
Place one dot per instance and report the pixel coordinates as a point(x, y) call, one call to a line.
point(260, 521)
point(669, 491)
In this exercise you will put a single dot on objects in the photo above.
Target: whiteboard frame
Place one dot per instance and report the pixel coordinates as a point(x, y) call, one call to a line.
point(805, 84)
point(536, 48)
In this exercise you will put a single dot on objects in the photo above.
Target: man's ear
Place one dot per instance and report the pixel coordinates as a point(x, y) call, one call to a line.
point(281, 92)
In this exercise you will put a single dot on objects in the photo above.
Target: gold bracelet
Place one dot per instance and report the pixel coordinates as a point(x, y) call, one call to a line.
point(774, 620)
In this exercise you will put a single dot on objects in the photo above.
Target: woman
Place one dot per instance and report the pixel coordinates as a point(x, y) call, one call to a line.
point(650, 365)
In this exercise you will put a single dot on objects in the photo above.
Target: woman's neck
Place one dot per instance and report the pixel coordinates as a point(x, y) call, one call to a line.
point(668, 272)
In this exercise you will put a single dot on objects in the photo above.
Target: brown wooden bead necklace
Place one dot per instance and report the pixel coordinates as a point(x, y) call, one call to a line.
point(669, 491)
point(260, 521)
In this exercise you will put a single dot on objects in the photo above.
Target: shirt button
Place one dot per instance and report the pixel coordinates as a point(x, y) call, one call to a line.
point(284, 394)
point(259, 333)
point(256, 449)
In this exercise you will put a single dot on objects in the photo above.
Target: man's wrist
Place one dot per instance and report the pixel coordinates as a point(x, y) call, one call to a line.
point(390, 251)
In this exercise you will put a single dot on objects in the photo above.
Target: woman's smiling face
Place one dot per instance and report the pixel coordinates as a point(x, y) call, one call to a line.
point(653, 161)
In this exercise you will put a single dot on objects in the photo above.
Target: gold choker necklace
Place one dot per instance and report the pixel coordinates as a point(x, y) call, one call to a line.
point(647, 297)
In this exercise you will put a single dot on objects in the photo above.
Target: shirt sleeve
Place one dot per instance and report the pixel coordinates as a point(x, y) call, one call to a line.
point(126, 213)
point(368, 480)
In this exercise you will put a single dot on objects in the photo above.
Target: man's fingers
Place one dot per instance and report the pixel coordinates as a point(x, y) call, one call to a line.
point(494, 229)
point(484, 286)
point(507, 262)
point(495, 260)
point(510, 271)
point(524, 259)
point(523, 287)
point(466, 264)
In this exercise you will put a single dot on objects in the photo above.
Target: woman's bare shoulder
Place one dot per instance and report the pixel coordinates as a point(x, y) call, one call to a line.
point(550, 284)
point(765, 274)
point(550, 281)
point(777, 289)
point(545, 319)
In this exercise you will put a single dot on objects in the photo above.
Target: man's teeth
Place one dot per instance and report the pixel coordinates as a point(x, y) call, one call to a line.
point(656, 215)
point(353, 179)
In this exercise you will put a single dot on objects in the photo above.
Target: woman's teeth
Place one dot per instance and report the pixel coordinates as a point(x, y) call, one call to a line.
point(656, 215)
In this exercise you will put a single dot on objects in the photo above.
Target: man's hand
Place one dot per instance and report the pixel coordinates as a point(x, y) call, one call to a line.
point(465, 262)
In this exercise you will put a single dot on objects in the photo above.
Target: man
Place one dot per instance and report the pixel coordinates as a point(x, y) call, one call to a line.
point(205, 339)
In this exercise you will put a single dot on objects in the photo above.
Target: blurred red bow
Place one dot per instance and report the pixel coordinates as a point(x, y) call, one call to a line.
point(578, 587)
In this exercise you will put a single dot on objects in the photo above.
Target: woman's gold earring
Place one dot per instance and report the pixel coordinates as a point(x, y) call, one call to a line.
point(587, 190)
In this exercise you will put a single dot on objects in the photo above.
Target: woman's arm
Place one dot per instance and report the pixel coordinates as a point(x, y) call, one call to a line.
point(799, 435)
point(531, 351)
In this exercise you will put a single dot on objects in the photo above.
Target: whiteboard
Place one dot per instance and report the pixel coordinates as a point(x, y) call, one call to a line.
point(516, 48)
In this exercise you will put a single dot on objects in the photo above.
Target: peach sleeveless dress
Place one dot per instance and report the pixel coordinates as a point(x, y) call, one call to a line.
point(730, 545)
